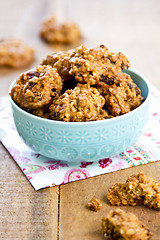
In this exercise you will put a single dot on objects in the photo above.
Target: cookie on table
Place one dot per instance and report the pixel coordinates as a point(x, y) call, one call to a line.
point(120, 225)
point(138, 189)
point(54, 32)
point(83, 103)
point(14, 53)
point(36, 88)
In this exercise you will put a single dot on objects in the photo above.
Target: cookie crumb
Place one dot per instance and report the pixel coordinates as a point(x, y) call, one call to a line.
point(95, 204)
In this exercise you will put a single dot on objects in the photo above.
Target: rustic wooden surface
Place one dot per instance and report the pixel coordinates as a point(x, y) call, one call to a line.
point(130, 26)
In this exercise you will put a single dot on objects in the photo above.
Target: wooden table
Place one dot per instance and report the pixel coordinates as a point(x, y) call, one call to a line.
point(60, 212)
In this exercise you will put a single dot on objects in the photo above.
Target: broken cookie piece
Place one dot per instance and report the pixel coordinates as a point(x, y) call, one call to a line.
point(95, 204)
point(138, 189)
point(119, 225)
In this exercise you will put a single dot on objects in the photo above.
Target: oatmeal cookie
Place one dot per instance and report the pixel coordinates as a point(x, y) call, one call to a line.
point(14, 53)
point(54, 32)
point(120, 225)
point(138, 189)
point(97, 65)
point(95, 204)
point(36, 88)
point(121, 97)
point(83, 103)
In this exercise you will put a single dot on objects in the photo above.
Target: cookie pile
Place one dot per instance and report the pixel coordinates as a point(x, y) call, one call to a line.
point(78, 85)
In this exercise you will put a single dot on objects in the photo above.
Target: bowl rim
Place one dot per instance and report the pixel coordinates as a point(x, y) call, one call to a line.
point(63, 123)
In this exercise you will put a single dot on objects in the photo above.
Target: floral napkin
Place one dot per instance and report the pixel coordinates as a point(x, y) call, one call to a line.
point(45, 172)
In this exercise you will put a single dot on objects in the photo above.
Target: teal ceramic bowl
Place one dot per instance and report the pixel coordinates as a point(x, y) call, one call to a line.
point(83, 141)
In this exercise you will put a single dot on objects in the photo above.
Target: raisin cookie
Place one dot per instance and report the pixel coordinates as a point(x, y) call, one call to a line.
point(54, 32)
point(14, 53)
point(83, 103)
point(121, 97)
point(36, 88)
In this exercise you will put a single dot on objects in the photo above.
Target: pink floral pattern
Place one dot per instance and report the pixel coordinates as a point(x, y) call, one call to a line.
point(44, 172)
point(103, 163)
point(37, 155)
point(75, 174)
point(55, 164)
point(85, 164)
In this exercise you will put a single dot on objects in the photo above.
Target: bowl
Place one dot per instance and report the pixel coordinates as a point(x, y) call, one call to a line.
point(83, 141)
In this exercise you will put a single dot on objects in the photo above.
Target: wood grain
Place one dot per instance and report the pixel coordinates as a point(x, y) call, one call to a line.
point(60, 212)
point(25, 213)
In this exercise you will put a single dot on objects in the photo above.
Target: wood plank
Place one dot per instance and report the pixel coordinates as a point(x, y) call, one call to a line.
point(25, 213)
point(78, 222)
